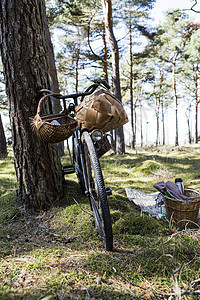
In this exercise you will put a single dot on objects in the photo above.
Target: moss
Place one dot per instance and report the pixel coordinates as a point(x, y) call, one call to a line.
point(135, 224)
point(149, 167)
point(100, 263)
point(37, 244)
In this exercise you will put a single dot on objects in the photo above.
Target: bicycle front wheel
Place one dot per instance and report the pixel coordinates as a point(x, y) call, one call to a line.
point(97, 192)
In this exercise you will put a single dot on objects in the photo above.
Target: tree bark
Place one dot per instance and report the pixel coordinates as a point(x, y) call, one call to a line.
point(25, 60)
point(131, 83)
point(195, 69)
point(105, 56)
point(157, 120)
point(187, 114)
point(141, 125)
point(3, 146)
point(175, 99)
point(77, 58)
point(107, 8)
point(163, 122)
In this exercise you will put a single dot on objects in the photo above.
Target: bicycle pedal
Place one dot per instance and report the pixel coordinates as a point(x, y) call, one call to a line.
point(108, 191)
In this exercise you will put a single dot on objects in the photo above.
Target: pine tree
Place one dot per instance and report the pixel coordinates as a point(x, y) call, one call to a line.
point(25, 60)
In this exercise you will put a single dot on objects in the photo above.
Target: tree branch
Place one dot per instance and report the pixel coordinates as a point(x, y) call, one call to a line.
point(97, 56)
point(197, 11)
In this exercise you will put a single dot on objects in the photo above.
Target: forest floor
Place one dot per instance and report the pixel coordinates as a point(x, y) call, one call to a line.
point(57, 254)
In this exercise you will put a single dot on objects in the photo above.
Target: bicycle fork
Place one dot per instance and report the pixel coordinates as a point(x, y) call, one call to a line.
point(81, 170)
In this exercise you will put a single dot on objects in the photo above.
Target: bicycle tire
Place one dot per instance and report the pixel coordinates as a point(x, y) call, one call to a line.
point(97, 192)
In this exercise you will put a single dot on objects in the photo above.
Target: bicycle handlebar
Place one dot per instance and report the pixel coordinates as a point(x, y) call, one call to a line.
point(88, 91)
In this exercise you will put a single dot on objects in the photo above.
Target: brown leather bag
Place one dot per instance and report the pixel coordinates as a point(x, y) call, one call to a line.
point(101, 110)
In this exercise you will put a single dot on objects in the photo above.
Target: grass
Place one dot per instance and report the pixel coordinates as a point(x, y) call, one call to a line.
point(58, 254)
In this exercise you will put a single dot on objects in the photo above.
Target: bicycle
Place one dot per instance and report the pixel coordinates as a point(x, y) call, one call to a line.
point(85, 162)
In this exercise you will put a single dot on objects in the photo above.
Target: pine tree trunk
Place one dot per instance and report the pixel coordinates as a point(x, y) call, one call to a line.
point(77, 66)
point(196, 104)
point(105, 55)
point(187, 114)
point(25, 61)
point(107, 8)
point(163, 122)
point(141, 127)
point(131, 84)
point(3, 147)
point(175, 101)
point(157, 120)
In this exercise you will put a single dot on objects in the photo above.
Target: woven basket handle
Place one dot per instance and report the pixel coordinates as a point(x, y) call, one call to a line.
point(39, 109)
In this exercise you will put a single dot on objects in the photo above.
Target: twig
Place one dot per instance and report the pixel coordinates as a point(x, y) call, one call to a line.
point(88, 294)
point(172, 236)
point(188, 291)
point(183, 292)
point(186, 231)
point(6, 222)
point(82, 208)
point(178, 269)
point(141, 287)
point(194, 282)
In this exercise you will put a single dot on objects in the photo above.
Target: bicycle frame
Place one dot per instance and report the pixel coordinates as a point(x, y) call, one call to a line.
point(77, 146)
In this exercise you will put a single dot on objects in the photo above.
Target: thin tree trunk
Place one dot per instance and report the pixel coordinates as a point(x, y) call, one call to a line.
point(135, 117)
point(175, 100)
point(131, 84)
point(141, 129)
point(188, 123)
point(105, 52)
point(157, 104)
point(163, 122)
point(107, 8)
point(25, 60)
point(196, 103)
point(76, 67)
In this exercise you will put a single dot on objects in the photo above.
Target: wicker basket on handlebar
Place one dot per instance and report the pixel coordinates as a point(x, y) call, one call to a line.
point(101, 110)
point(53, 128)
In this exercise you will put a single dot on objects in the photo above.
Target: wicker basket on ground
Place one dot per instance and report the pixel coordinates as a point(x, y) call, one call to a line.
point(183, 212)
point(53, 128)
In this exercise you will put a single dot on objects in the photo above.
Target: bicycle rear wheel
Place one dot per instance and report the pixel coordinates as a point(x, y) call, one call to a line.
point(97, 192)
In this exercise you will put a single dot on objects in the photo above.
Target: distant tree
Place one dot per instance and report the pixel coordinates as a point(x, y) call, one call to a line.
point(133, 14)
point(191, 71)
point(175, 34)
point(107, 8)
